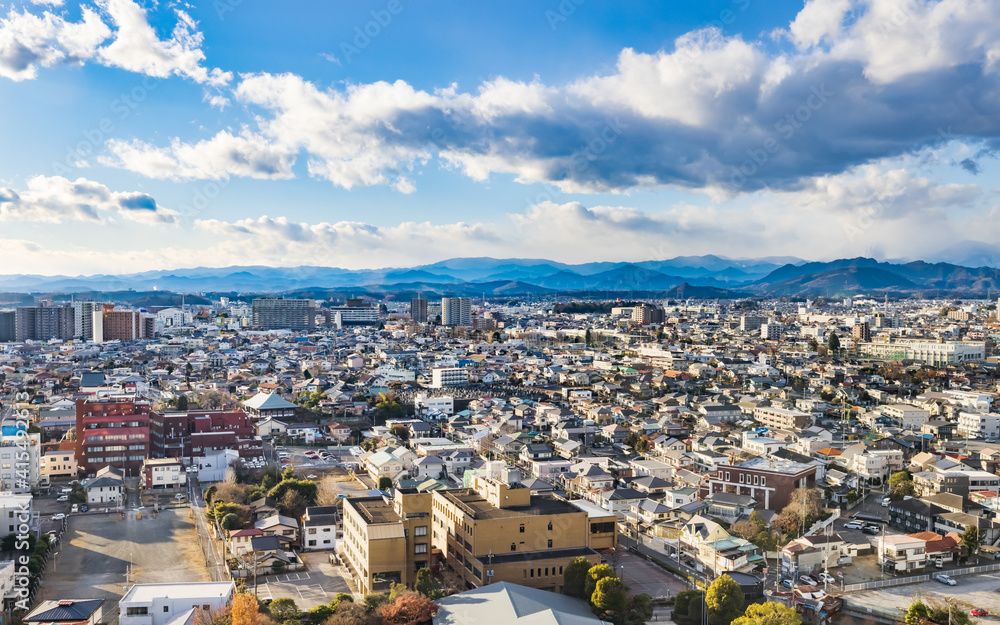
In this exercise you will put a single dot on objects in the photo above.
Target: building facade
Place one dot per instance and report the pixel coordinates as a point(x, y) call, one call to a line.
point(112, 432)
point(271, 313)
point(456, 311)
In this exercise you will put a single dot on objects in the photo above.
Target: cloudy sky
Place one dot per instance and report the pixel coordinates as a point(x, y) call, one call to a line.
point(369, 133)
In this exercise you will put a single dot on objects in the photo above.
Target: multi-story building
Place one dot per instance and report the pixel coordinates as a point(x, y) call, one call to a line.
point(957, 482)
point(978, 425)
point(112, 432)
point(770, 331)
point(20, 462)
point(319, 528)
point(861, 332)
point(356, 312)
point(494, 532)
point(8, 326)
point(159, 604)
point(418, 310)
point(770, 481)
point(15, 510)
point(59, 463)
point(163, 473)
point(644, 314)
point(43, 323)
point(929, 351)
point(902, 553)
point(907, 416)
point(271, 313)
point(456, 311)
point(83, 319)
point(782, 418)
point(449, 376)
point(201, 432)
point(751, 323)
point(110, 324)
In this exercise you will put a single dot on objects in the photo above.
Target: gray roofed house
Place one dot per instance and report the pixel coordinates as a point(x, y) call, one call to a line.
point(67, 611)
point(504, 603)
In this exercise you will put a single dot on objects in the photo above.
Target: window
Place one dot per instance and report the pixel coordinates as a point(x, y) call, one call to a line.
point(550, 543)
point(550, 526)
point(166, 608)
point(741, 478)
point(143, 611)
point(522, 529)
point(206, 607)
point(532, 572)
point(513, 546)
point(420, 548)
point(763, 480)
point(727, 476)
point(420, 530)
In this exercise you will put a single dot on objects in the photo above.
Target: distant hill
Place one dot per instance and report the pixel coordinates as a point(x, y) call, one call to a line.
point(706, 276)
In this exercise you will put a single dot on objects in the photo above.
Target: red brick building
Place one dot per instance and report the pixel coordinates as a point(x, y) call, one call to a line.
point(112, 432)
point(197, 432)
point(770, 481)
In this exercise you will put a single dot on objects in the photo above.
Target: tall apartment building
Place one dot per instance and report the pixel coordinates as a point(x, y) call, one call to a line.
point(43, 323)
point(782, 418)
point(770, 331)
point(978, 425)
point(8, 326)
point(493, 532)
point(271, 313)
point(83, 319)
point(645, 314)
point(110, 324)
point(456, 311)
point(449, 376)
point(21, 467)
point(418, 310)
point(862, 332)
point(355, 312)
point(112, 432)
point(751, 323)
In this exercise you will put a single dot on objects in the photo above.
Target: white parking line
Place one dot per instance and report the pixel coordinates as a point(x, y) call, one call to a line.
point(322, 591)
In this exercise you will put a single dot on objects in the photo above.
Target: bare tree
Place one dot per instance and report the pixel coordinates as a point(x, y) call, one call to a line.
point(327, 491)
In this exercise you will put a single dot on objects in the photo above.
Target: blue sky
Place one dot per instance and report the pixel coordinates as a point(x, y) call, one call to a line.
point(143, 135)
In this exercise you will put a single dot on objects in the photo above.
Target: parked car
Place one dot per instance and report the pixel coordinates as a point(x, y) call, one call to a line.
point(978, 612)
point(808, 580)
point(827, 578)
point(945, 579)
point(787, 583)
point(853, 525)
point(885, 502)
point(868, 529)
point(938, 563)
point(58, 517)
point(75, 508)
point(62, 498)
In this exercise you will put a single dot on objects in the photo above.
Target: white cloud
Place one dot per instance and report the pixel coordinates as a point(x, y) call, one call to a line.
point(126, 41)
point(54, 199)
point(28, 42)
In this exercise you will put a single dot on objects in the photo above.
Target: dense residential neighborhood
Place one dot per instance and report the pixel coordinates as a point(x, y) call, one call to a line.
point(523, 438)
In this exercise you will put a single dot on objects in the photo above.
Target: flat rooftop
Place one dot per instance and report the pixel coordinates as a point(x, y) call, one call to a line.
point(145, 593)
point(773, 464)
point(374, 509)
point(474, 504)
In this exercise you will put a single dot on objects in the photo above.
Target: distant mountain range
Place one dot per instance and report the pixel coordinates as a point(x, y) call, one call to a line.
point(682, 277)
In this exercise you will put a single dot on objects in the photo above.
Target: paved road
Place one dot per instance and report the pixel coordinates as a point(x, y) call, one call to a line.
point(211, 551)
point(972, 591)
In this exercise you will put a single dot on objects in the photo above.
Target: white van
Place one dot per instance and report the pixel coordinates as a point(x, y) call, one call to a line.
point(75, 508)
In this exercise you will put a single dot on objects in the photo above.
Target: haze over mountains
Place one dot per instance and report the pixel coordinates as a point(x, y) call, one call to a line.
point(683, 276)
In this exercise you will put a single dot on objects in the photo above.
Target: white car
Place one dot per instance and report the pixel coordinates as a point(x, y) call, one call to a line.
point(853, 525)
point(945, 579)
point(827, 578)
point(58, 517)
point(62, 498)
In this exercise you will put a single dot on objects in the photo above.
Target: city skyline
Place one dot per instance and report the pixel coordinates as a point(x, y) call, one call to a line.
point(392, 134)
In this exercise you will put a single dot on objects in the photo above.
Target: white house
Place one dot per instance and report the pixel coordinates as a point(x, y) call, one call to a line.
point(319, 528)
point(159, 604)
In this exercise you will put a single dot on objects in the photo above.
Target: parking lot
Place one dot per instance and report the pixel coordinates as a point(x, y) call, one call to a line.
point(93, 559)
point(316, 586)
point(972, 591)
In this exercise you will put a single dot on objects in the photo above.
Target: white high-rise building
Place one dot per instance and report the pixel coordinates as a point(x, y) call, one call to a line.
point(456, 311)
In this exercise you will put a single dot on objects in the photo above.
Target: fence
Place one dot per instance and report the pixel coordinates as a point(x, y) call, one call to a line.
point(919, 579)
point(878, 615)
